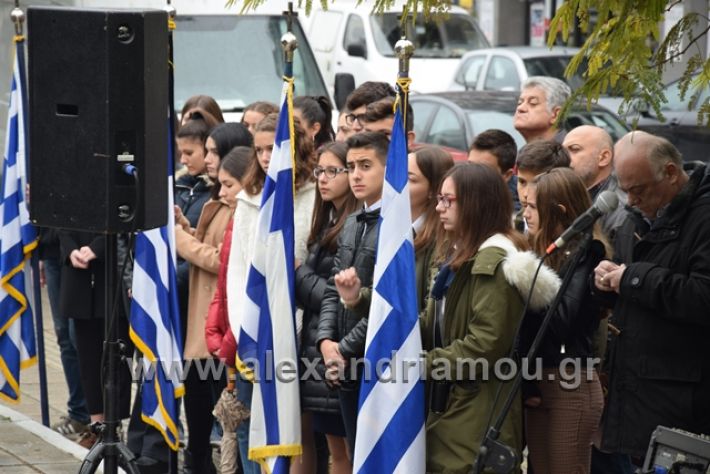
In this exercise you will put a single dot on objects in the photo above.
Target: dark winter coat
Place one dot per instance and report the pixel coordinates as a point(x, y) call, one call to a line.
point(191, 194)
point(573, 326)
point(357, 245)
point(660, 362)
point(311, 283)
point(82, 293)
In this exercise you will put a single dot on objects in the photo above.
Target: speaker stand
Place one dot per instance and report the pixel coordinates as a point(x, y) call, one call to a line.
point(109, 448)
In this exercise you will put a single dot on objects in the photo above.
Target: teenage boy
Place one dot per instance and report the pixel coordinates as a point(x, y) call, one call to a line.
point(343, 317)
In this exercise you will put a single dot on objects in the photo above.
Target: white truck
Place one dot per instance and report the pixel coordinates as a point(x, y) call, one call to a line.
point(353, 45)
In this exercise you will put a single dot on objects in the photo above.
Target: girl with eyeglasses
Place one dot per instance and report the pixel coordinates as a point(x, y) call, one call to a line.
point(320, 405)
point(244, 232)
point(426, 169)
point(476, 304)
point(563, 417)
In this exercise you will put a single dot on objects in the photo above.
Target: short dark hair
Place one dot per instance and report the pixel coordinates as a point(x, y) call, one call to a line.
point(228, 135)
point(542, 155)
point(500, 144)
point(367, 93)
point(377, 141)
point(384, 108)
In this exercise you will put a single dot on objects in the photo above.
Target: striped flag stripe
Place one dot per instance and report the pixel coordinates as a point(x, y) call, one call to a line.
point(265, 323)
point(17, 240)
point(390, 424)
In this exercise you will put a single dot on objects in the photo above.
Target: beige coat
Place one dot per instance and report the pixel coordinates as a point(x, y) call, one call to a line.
point(201, 248)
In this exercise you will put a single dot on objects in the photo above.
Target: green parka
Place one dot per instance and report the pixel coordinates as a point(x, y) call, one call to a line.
point(483, 307)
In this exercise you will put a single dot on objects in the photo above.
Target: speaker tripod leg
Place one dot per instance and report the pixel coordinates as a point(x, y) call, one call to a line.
point(109, 448)
point(102, 450)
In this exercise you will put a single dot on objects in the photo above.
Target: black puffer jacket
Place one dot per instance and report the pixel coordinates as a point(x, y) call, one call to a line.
point(660, 362)
point(357, 245)
point(576, 320)
point(191, 194)
point(311, 282)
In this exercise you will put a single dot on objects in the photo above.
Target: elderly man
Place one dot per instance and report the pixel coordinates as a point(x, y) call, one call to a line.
point(540, 102)
point(660, 361)
point(591, 151)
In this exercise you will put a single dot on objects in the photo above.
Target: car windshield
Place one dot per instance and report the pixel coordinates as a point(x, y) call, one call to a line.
point(237, 59)
point(449, 38)
point(485, 119)
point(599, 117)
point(554, 66)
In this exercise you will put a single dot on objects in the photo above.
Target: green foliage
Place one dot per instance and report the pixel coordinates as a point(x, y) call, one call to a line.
point(430, 8)
point(625, 53)
point(624, 49)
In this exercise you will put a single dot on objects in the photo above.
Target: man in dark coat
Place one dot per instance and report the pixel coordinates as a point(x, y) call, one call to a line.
point(660, 361)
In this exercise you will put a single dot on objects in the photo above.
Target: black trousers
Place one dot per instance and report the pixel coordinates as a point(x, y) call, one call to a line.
point(202, 390)
point(89, 346)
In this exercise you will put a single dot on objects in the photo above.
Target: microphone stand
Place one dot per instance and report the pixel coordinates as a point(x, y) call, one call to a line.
point(493, 453)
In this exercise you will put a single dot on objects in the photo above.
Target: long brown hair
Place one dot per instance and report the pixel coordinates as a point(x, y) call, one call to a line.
point(485, 208)
point(305, 157)
point(325, 212)
point(433, 162)
point(561, 197)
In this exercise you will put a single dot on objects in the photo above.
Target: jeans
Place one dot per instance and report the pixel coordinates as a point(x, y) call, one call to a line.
point(66, 338)
point(244, 391)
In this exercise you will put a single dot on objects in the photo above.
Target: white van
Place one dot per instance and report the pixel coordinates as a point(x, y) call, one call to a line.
point(354, 45)
point(235, 58)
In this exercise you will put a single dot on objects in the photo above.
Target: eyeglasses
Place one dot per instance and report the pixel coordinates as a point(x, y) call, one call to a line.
point(259, 150)
point(330, 171)
point(350, 118)
point(445, 200)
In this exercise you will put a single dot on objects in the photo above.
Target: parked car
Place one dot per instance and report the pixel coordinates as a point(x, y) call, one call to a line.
point(453, 119)
point(353, 45)
point(680, 125)
point(506, 68)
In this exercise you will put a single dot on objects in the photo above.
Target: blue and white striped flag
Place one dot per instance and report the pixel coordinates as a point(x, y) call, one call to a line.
point(267, 329)
point(17, 240)
point(155, 321)
point(390, 422)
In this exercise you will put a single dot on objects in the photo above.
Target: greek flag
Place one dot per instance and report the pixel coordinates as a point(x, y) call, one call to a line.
point(390, 423)
point(267, 331)
point(17, 240)
point(155, 322)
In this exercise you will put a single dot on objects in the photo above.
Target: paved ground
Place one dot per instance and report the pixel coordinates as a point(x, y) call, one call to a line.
point(25, 445)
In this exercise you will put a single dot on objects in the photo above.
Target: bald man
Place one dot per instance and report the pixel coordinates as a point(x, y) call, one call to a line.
point(660, 285)
point(591, 152)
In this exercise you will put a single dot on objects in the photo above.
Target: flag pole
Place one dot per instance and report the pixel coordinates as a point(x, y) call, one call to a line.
point(172, 13)
point(404, 50)
point(18, 18)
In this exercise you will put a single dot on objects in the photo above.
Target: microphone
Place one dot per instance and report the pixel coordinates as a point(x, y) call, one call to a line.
point(607, 201)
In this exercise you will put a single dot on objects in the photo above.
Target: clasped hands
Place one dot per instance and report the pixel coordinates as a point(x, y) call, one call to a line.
point(607, 276)
point(80, 258)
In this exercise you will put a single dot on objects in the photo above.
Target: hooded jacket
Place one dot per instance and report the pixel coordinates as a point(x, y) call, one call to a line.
point(483, 307)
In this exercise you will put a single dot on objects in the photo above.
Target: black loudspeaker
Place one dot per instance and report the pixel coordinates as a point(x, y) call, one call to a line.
point(98, 93)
